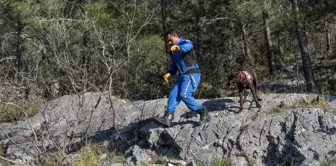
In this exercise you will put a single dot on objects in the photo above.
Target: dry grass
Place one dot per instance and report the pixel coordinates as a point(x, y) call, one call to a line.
point(318, 102)
point(223, 162)
point(18, 110)
point(328, 163)
point(2, 153)
point(89, 155)
point(54, 159)
point(157, 159)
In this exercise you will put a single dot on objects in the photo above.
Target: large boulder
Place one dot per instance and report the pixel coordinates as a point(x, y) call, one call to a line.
point(276, 133)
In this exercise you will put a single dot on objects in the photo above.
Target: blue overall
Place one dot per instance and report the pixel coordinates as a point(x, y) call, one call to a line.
point(186, 84)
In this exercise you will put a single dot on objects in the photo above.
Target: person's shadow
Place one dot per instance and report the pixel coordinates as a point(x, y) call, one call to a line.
point(105, 135)
point(217, 104)
point(135, 133)
point(212, 106)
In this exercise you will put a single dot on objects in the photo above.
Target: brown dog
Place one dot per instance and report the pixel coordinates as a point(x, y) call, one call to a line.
point(244, 80)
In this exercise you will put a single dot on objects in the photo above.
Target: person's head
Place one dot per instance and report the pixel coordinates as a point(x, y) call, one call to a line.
point(231, 81)
point(172, 36)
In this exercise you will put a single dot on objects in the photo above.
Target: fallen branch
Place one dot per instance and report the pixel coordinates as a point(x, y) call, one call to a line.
point(8, 58)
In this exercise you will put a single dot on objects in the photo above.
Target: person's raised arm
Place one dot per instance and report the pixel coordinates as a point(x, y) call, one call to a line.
point(186, 46)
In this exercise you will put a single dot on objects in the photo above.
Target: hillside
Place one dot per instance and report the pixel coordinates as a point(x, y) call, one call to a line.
point(289, 128)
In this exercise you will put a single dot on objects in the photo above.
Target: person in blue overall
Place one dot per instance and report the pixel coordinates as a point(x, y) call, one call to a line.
point(183, 63)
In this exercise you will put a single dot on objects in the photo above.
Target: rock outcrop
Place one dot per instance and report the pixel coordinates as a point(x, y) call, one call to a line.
point(278, 133)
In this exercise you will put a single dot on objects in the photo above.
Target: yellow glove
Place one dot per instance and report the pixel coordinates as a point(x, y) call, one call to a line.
point(166, 77)
point(175, 48)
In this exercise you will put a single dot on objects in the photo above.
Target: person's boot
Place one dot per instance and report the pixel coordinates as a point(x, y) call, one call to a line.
point(166, 119)
point(204, 116)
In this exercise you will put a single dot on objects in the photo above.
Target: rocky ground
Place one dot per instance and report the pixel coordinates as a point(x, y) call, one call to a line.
point(288, 129)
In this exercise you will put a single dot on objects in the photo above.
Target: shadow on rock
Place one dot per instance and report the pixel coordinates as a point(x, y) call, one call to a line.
point(134, 139)
point(160, 140)
point(120, 136)
point(290, 154)
point(324, 127)
point(99, 136)
point(212, 106)
point(217, 105)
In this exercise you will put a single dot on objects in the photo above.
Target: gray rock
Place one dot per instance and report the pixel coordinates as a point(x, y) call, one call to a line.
point(117, 164)
point(70, 159)
point(295, 135)
point(136, 156)
point(192, 163)
point(64, 121)
point(107, 163)
point(103, 156)
point(175, 162)
point(254, 136)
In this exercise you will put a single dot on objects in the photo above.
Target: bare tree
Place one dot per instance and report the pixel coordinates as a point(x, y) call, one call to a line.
point(132, 31)
point(268, 40)
point(303, 44)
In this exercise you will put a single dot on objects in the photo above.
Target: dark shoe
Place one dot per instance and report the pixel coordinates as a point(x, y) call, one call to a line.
point(204, 116)
point(166, 119)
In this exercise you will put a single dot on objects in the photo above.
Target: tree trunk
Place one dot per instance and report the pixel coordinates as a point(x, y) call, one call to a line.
point(85, 62)
point(247, 64)
point(269, 46)
point(18, 51)
point(303, 44)
point(198, 38)
point(110, 88)
point(328, 39)
point(246, 49)
point(278, 62)
point(164, 26)
point(296, 59)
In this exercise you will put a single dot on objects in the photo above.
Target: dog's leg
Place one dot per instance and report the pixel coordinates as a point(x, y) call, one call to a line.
point(241, 101)
point(245, 94)
point(255, 95)
point(255, 89)
point(241, 98)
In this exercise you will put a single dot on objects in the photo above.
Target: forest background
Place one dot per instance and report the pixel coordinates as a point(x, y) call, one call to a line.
point(51, 48)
